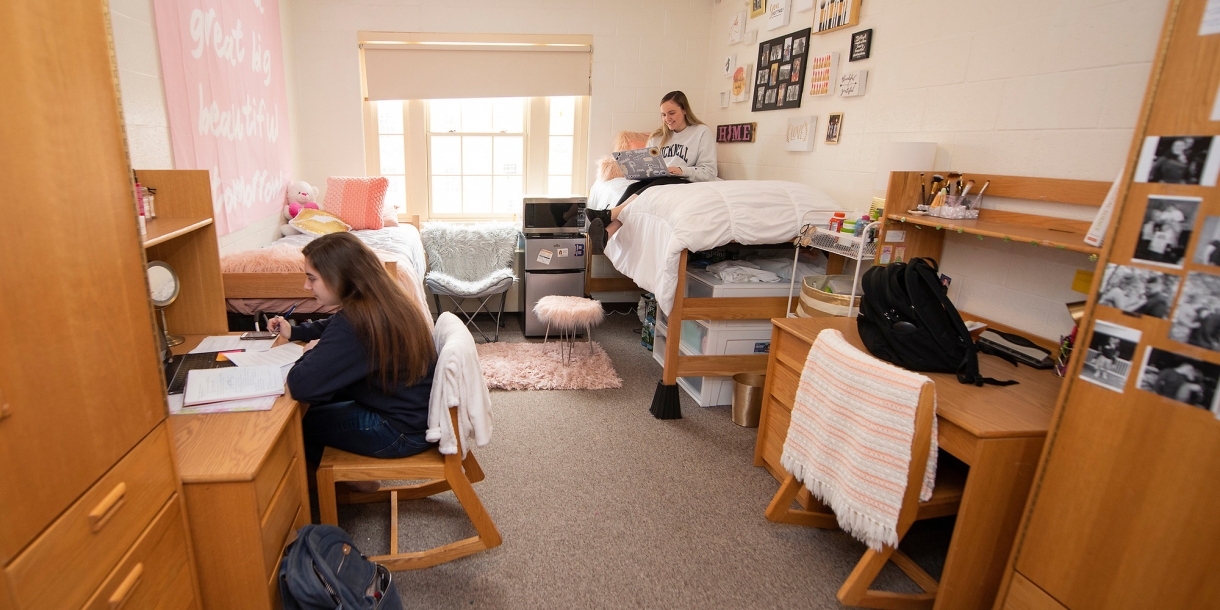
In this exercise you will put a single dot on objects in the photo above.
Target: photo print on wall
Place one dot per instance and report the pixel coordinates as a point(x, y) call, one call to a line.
point(1187, 380)
point(1137, 290)
point(783, 60)
point(1110, 355)
point(1166, 230)
point(758, 8)
point(1178, 160)
point(1207, 247)
point(1196, 318)
point(834, 125)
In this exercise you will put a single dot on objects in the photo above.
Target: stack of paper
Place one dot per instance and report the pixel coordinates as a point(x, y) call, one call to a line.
point(225, 343)
point(204, 386)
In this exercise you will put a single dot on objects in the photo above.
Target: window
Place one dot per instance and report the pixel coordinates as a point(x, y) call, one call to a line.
point(476, 158)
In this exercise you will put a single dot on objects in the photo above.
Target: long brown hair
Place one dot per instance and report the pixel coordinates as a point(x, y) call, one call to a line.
point(388, 321)
point(679, 98)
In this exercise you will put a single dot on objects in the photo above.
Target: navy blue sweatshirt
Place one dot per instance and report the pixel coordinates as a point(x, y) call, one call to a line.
point(338, 369)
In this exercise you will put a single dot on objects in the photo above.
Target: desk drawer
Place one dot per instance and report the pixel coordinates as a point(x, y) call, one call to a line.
point(791, 351)
point(269, 476)
point(65, 564)
point(156, 573)
point(777, 430)
point(278, 521)
point(783, 388)
point(273, 582)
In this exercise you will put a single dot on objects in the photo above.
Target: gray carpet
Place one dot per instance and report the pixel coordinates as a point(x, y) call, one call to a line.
point(602, 506)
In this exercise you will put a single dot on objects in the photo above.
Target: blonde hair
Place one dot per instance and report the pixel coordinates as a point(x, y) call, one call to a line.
point(679, 98)
point(391, 324)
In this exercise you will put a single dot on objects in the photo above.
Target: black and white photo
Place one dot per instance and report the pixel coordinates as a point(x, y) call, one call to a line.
point(788, 49)
point(1207, 244)
point(1196, 317)
point(1138, 291)
point(1181, 378)
point(1110, 354)
point(798, 46)
point(784, 72)
point(1178, 160)
point(1166, 230)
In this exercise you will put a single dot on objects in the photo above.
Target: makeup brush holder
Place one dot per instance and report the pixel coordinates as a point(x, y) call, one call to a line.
point(957, 207)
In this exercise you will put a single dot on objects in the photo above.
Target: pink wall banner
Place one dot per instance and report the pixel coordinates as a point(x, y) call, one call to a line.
point(228, 108)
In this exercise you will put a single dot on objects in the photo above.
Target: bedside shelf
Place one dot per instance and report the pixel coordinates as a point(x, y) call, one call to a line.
point(1021, 233)
point(161, 230)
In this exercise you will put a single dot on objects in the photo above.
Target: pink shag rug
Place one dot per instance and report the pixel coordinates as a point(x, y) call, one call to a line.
point(536, 366)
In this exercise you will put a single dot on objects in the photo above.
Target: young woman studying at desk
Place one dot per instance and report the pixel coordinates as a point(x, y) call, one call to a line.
point(367, 371)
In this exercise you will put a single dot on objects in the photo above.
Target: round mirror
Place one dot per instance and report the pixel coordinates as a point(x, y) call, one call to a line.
point(162, 283)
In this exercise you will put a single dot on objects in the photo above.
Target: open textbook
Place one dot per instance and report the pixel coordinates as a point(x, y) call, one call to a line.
point(641, 163)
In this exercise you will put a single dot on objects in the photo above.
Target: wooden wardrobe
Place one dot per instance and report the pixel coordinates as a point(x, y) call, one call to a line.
point(90, 503)
point(1124, 509)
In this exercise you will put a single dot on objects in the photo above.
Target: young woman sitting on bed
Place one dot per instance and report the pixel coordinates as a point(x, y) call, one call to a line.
point(689, 149)
point(367, 372)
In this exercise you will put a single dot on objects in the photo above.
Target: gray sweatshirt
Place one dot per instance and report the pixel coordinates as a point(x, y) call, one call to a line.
point(693, 149)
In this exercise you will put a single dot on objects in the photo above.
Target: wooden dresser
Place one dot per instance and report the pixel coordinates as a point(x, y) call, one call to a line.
point(997, 431)
point(243, 476)
point(91, 511)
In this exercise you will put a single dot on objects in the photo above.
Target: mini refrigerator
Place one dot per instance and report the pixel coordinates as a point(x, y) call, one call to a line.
point(554, 254)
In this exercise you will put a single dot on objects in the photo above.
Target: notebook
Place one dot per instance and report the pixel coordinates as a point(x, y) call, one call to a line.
point(641, 163)
point(205, 386)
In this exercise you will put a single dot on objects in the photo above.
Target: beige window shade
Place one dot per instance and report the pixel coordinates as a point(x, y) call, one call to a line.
point(435, 70)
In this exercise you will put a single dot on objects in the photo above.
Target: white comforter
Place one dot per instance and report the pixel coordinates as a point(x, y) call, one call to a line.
point(665, 220)
point(402, 241)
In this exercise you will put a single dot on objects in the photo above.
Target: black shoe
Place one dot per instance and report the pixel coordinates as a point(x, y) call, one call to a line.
point(602, 215)
point(597, 237)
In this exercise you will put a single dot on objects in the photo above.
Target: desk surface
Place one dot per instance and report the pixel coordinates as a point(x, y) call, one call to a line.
point(986, 412)
point(218, 447)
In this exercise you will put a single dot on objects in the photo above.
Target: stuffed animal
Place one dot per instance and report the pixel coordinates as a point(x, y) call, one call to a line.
point(300, 196)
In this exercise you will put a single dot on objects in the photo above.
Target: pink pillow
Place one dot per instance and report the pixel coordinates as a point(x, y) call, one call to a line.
point(356, 200)
point(389, 217)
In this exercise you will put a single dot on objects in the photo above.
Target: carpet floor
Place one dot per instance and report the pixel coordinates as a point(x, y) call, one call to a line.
point(602, 506)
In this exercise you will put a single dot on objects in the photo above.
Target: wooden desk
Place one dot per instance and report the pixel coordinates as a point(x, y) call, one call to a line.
point(243, 476)
point(997, 431)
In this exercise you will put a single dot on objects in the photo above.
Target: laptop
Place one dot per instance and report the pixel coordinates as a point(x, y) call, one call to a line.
point(178, 366)
point(641, 163)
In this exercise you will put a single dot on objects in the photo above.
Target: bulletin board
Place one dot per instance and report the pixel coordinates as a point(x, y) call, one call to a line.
point(780, 78)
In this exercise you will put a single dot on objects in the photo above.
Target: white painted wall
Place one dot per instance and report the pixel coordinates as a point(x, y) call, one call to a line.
point(143, 99)
point(1048, 88)
point(641, 50)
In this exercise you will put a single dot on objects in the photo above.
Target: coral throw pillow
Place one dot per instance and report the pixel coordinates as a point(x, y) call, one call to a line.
point(318, 222)
point(357, 200)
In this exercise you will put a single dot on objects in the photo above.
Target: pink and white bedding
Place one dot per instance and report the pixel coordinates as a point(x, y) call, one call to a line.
point(400, 244)
point(665, 220)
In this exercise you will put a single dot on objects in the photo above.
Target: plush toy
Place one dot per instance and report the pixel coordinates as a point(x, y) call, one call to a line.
point(300, 196)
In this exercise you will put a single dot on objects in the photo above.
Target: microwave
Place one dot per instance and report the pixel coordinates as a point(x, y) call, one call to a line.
point(552, 215)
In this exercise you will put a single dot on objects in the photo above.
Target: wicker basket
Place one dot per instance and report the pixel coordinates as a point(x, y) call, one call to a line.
point(816, 302)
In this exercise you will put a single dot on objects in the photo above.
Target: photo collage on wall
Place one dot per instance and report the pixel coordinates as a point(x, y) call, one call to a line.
point(1174, 276)
point(781, 72)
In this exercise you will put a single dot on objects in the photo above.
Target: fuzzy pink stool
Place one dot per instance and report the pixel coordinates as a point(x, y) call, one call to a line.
point(567, 314)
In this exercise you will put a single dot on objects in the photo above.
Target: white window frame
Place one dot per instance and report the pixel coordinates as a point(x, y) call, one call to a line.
point(418, 160)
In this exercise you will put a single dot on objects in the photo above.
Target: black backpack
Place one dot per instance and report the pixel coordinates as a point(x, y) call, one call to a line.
point(906, 318)
point(323, 570)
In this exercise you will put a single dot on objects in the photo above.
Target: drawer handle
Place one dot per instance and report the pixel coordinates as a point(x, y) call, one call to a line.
point(107, 507)
point(126, 587)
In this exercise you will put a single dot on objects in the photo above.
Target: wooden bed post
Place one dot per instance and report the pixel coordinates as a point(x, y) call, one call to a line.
point(665, 402)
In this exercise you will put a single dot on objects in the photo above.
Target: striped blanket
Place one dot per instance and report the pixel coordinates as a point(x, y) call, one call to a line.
point(853, 425)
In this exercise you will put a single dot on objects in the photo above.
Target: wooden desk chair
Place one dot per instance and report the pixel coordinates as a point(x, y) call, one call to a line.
point(440, 473)
point(946, 496)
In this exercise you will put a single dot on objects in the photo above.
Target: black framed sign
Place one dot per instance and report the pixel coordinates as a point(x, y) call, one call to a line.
point(781, 72)
point(861, 45)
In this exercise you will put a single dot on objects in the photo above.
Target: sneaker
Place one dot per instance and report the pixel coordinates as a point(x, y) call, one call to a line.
point(597, 237)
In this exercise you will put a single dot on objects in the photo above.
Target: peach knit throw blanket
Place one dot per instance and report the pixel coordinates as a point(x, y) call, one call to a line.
point(853, 424)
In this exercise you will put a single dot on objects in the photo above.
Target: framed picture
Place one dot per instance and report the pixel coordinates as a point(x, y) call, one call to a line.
point(737, 28)
point(823, 73)
point(778, 14)
point(861, 45)
point(781, 71)
point(758, 8)
point(834, 14)
point(834, 126)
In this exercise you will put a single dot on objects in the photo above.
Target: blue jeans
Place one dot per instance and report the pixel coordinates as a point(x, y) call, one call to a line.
point(353, 428)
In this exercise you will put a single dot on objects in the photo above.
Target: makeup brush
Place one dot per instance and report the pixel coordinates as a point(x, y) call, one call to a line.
point(923, 189)
point(936, 179)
